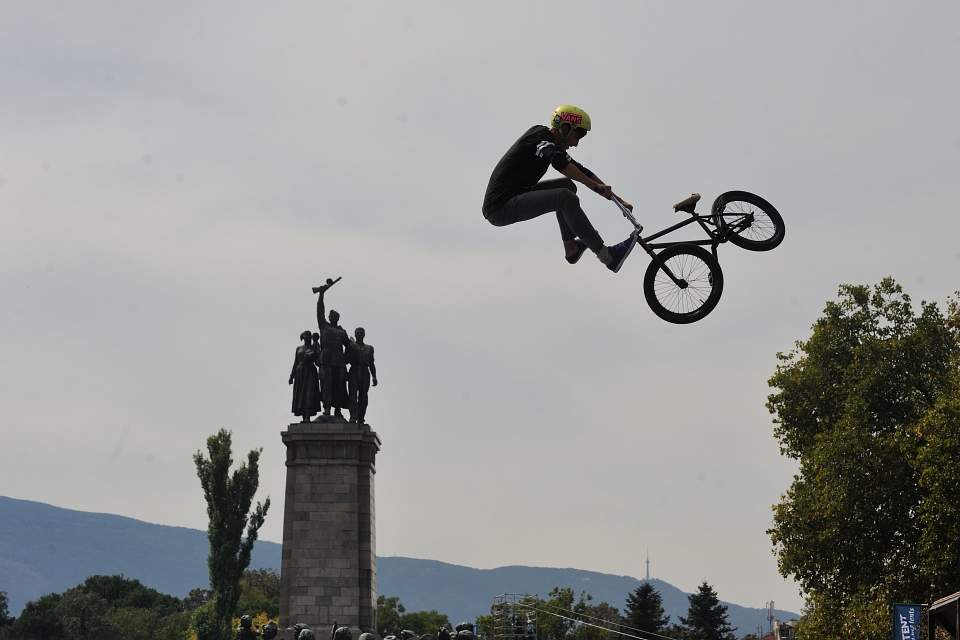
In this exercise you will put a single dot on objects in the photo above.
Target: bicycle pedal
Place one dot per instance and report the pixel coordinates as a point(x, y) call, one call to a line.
point(688, 205)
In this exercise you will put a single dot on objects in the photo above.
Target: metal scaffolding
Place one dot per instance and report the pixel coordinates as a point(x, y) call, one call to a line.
point(515, 617)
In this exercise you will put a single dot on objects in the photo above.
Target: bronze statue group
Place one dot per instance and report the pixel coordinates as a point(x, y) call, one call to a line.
point(320, 377)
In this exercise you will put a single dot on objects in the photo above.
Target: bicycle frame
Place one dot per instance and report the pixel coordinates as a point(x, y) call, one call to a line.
point(643, 242)
point(715, 238)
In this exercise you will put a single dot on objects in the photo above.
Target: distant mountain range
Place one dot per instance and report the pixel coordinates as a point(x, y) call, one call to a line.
point(45, 549)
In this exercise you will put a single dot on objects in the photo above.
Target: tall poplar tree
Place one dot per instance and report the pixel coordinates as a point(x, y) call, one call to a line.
point(229, 498)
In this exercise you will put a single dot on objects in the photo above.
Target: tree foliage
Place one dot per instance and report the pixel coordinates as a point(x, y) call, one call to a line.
point(38, 620)
point(644, 610)
point(103, 608)
point(119, 591)
point(260, 593)
point(563, 616)
point(389, 611)
point(146, 624)
point(84, 614)
point(5, 617)
point(392, 618)
point(229, 500)
point(423, 622)
point(869, 406)
point(266, 580)
point(559, 600)
point(204, 623)
point(602, 619)
point(196, 599)
point(706, 618)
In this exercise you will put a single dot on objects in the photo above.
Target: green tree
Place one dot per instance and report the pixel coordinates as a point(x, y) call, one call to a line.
point(560, 600)
point(266, 580)
point(204, 622)
point(119, 591)
point(867, 405)
point(195, 599)
point(644, 611)
point(706, 617)
point(103, 608)
point(5, 618)
point(229, 500)
point(260, 593)
point(253, 601)
point(485, 627)
point(393, 617)
point(81, 610)
point(564, 616)
point(939, 548)
point(599, 621)
point(38, 620)
point(421, 622)
point(146, 624)
point(389, 611)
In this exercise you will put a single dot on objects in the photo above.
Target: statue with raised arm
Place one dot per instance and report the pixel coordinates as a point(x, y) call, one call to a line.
point(362, 371)
point(333, 364)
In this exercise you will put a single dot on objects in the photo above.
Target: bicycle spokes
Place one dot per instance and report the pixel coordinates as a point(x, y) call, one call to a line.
point(746, 220)
point(690, 286)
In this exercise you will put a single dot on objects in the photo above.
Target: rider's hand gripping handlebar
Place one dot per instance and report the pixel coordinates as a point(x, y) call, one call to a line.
point(628, 215)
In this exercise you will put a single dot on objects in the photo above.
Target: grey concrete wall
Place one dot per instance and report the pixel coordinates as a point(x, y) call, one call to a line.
point(328, 567)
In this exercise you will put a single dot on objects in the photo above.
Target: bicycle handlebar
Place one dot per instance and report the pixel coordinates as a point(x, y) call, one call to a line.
point(627, 214)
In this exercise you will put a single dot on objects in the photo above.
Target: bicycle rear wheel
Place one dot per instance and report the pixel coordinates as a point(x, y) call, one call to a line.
point(698, 270)
point(748, 221)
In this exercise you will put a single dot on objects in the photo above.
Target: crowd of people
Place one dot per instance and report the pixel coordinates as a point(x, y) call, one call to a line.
point(302, 631)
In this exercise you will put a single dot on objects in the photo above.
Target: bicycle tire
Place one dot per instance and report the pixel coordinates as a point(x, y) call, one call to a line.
point(696, 266)
point(748, 221)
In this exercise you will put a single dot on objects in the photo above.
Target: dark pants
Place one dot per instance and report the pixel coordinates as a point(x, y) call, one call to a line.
point(333, 387)
point(358, 386)
point(558, 195)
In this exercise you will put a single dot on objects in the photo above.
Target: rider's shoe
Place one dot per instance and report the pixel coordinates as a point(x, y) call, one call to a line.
point(574, 257)
point(618, 253)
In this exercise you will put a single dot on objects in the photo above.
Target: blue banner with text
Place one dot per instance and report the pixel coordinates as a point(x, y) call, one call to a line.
point(906, 621)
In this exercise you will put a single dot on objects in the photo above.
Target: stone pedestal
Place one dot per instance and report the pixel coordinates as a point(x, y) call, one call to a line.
point(329, 569)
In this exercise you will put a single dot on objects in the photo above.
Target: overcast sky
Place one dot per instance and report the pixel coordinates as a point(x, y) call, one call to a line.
point(174, 177)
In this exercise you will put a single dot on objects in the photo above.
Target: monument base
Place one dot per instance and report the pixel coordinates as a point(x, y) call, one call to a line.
point(328, 569)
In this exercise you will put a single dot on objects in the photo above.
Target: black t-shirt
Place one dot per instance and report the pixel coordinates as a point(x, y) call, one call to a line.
point(522, 166)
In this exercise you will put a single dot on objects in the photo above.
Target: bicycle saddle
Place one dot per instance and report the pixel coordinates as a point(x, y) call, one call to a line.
point(687, 205)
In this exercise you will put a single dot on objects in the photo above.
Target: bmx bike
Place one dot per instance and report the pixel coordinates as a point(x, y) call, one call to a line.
point(684, 281)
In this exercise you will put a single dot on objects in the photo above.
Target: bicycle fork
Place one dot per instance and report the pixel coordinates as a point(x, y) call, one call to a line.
point(680, 282)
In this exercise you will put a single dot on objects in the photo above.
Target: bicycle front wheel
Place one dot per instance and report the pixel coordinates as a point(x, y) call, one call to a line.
point(748, 221)
point(700, 284)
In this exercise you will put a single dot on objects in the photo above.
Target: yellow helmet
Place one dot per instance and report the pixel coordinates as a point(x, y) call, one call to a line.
point(569, 114)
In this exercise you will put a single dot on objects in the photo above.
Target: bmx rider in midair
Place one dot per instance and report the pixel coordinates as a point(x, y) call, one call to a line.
point(515, 192)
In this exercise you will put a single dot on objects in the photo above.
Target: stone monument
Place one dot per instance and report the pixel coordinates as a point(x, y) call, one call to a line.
point(328, 569)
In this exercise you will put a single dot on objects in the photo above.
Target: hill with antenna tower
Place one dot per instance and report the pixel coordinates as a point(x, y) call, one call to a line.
point(46, 549)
